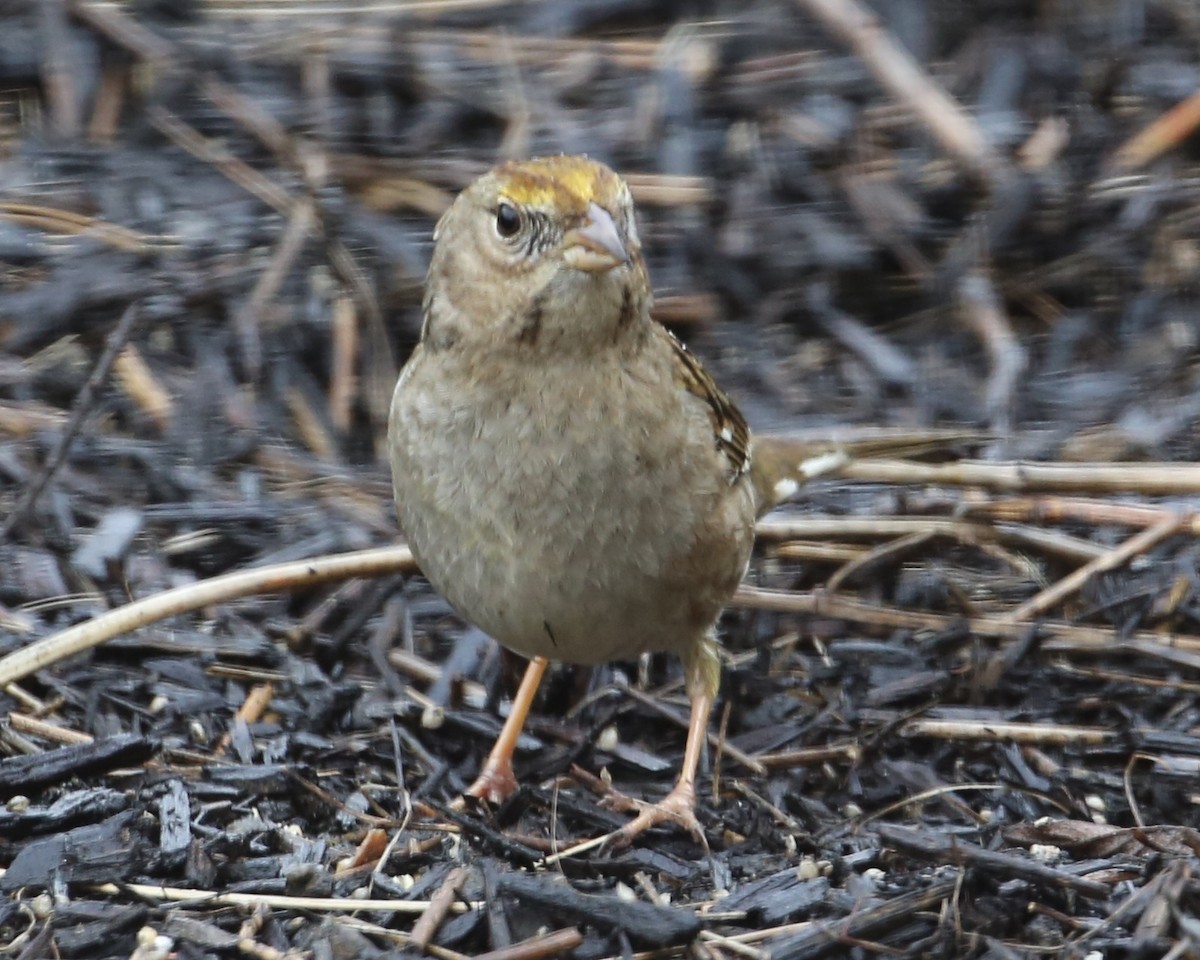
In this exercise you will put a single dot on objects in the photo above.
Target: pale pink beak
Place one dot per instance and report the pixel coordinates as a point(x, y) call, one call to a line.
point(595, 246)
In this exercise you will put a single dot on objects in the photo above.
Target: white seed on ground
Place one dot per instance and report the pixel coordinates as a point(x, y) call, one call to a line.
point(808, 869)
point(609, 739)
point(432, 718)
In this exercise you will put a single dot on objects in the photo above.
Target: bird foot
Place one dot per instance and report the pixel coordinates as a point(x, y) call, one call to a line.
point(677, 807)
point(495, 784)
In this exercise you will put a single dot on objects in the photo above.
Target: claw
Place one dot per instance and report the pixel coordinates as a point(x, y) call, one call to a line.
point(677, 807)
point(495, 784)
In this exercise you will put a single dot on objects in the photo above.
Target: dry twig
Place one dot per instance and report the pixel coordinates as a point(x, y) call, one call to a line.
point(904, 79)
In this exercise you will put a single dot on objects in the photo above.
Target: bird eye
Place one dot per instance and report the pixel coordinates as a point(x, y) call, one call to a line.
point(508, 221)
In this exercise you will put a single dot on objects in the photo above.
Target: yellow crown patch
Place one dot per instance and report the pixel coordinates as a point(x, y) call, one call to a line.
point(566, 184)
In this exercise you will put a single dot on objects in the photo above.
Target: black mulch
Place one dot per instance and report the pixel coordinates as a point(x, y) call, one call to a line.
point(214, 220)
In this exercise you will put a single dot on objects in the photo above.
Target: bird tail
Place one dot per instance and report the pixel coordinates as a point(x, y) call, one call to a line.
point(781, 465)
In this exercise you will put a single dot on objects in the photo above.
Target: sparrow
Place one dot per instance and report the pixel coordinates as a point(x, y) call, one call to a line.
point(569, 476)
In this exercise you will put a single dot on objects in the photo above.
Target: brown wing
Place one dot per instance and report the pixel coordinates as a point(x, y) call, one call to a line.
point(730, 431)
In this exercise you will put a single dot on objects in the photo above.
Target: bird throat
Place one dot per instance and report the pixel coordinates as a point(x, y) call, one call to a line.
point(551, 323)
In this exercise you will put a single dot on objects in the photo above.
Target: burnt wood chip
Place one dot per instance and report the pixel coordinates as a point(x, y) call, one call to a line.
point(645, 924)
point(830, 938)
point(779, 898)
point(270, 881)
point(1172, 741)
point(499, 932)
point(175, 818)
point(583, 809)
point(263, 779)
point(456, 931)
point(429, 882)
point(32, 772)
point(331, 938)
point(642, 760)
point(487, 729)
point(197, 932)
point(657, 863)
point(516, 853)
point(937, 847)
point(67, 811)
point(95, 928)
point(102, 852)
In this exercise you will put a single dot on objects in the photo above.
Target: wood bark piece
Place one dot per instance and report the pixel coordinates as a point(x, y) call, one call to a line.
point(645, 924)
point(30, 772)
point(942, 849)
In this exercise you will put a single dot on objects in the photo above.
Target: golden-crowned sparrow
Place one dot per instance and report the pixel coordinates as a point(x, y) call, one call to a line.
point(568, 475)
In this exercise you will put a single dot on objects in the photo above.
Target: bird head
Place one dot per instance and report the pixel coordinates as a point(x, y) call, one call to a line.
point(540, 254)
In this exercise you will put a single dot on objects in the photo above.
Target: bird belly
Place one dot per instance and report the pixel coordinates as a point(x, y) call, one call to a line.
point(584, 554)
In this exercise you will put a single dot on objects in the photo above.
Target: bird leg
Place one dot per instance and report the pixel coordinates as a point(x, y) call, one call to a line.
point(496, 781)
point(703, 668)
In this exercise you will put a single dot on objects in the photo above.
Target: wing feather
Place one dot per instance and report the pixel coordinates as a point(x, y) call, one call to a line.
point(731, 434)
